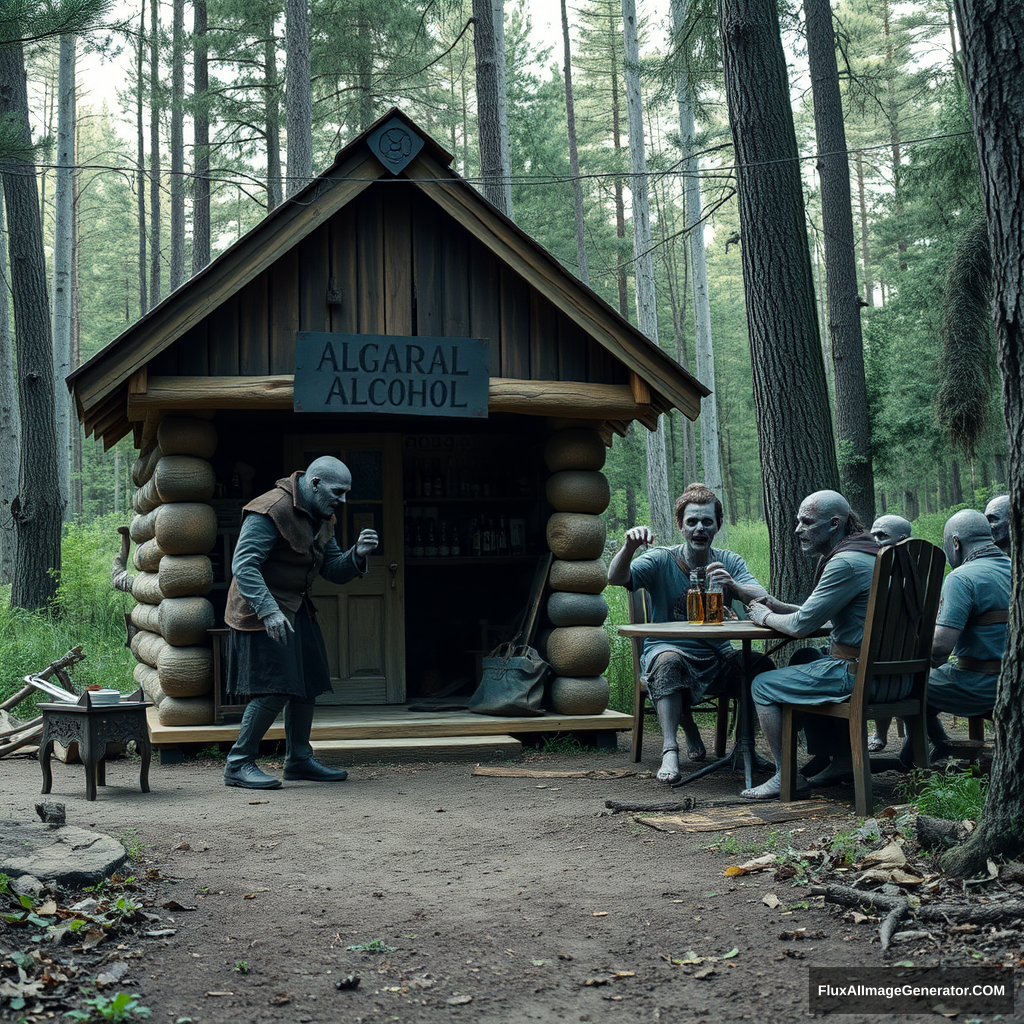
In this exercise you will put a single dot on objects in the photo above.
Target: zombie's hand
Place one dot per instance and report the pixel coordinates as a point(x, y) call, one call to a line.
point(278, 627)
point(638, 537)
point(366, 543)
point(758, 612)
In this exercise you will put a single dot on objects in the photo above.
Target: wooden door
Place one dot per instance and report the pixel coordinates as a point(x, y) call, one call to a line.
point(363, 621)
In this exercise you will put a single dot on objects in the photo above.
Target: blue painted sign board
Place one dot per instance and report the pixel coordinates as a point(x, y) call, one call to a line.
point(391, 374)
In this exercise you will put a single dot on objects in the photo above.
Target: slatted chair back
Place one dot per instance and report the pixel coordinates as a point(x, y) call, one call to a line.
point(891, 674)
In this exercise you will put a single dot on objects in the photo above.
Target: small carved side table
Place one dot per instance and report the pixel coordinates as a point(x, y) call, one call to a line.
point(92, 727)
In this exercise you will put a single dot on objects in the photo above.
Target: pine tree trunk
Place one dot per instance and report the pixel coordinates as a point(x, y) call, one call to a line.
point(853, 429)
point(272, 116)
point(994, 72)
point(201, 131)
point(620, 201)
point(140, 160)
point(709, 444)
point(36, 509)
point(178, 145)
point(62, 254)
point(790, 395)
point(298, 95)
point(155, 285)
point(643, 270)
point(495, 164)
point(75, 497)
point(574, 158)
point(8, 413)
point(364, 67)
point(865, 249)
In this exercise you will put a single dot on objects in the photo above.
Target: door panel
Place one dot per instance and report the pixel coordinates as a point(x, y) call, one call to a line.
point(363, 621)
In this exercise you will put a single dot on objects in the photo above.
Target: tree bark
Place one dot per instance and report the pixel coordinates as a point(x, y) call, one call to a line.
point(794, 426)
point(62, 255)
point(574, 157)
point(495, 163)
point(178, 144)
point(298, 95)
point(992, 32)
point(709, 443)
point(140, 160)
point(155, 284)
point(8, 414)
point(853, 429)
point(37, 509)
point(865, 248)
point(643, 269)
point(201, 132)
point(272, 117)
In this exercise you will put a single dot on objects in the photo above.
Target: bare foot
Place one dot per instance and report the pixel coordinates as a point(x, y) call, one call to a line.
point(669, 770)
point(695, 750)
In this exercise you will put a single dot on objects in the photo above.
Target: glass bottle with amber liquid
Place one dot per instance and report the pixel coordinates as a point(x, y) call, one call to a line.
point(714, 603)
point(694, 601)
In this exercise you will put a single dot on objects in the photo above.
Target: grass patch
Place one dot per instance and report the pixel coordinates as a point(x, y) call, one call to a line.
point(954, 793)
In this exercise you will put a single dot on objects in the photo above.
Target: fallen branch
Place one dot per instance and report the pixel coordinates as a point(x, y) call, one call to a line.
point(687, 804)
point(896, 907)
point(24, 741)
point(972, 913)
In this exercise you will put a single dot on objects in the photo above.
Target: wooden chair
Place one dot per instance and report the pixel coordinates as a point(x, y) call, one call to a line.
point(639, 612)
point(898, 631)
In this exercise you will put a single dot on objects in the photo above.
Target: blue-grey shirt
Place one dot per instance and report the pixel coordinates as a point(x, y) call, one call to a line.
point(255, 542)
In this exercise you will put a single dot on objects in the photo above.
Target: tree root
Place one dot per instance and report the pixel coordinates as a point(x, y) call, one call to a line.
point(896, 907)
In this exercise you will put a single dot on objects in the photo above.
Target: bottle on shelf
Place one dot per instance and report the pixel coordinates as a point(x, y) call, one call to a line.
point(503, 537)
point(694, 600)
point(417, 540)
point(443, 547)
point(476, 538)
point(430, 548)
point(456, 544)
point(438, 484)
point(487, 547)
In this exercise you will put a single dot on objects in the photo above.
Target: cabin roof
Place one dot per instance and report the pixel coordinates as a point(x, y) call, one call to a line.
point(102, 384)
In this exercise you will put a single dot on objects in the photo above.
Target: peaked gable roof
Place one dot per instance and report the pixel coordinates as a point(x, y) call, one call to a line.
point(101, 385)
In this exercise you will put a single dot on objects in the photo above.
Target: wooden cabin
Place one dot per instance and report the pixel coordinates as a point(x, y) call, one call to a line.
point(389, 315)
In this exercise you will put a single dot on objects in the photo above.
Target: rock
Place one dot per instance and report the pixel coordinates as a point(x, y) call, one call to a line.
point(71, 857)
point(27, 885)
point(51, 812)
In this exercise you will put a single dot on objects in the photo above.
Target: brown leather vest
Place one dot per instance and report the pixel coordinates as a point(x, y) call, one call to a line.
point(294, 561)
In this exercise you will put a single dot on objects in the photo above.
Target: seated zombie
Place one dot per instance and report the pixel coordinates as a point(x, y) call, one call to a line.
point(680, 673)
point(971, 625)
point(825, 527)
point(997, 512)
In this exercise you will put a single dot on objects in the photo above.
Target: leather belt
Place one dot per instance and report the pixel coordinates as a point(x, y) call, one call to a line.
point(989, 668)
point(843, 652)
point(993, 618)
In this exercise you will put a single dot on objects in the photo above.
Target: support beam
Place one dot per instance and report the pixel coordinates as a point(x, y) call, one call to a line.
point(571, 399)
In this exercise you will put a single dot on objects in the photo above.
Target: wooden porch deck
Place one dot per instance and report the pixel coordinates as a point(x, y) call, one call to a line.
point(394, 722)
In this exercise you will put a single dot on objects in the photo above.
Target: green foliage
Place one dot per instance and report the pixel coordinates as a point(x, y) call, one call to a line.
point(86, 612)
point(242, 966)
point(133, 845)
point(956, 794)
point(373, 946)
point(120, 1007)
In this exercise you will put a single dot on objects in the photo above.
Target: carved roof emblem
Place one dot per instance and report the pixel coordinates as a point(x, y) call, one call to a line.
point(395, 144)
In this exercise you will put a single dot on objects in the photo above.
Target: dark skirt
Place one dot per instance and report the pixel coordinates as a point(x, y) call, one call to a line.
point(258, 666)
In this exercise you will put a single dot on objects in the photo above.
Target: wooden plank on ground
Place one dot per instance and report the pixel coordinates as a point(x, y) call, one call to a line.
point(504, 772)
point(716, 819)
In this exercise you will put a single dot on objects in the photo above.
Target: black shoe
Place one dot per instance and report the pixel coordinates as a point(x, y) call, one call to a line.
point(248, 776)
point(313, 771)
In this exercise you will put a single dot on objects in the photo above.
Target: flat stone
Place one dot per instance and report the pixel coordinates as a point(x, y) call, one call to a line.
point(71, 857)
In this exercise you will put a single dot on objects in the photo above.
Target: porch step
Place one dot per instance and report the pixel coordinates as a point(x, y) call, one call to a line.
point(415, 748)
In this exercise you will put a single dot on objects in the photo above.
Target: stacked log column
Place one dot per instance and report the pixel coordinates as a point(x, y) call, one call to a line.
point(174, 529)
point(577, 647)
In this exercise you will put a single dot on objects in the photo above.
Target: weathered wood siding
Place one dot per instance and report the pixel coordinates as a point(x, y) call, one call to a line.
point(390, 263)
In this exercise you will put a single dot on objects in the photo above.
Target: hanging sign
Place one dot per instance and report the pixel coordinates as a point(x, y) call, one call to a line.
point(392, 374)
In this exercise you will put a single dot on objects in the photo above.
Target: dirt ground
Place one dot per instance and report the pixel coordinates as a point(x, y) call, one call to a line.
point(480, 898)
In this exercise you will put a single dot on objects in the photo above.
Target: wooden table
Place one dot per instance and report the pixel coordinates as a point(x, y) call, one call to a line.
point(739, 629)
point(92, 727)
